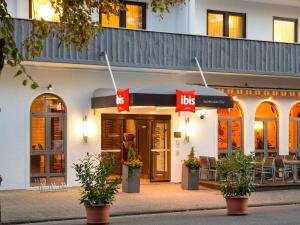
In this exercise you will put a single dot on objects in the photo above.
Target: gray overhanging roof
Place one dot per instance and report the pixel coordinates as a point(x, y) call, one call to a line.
point(163, 96)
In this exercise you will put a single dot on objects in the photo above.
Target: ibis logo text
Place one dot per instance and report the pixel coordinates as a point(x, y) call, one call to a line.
point(185, 101)
point(122, 100)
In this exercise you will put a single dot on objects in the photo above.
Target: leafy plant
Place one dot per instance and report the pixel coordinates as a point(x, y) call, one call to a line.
point(235, 171)
point(71, 14)
point(133, 161)
point(94, 174)
point(192, 162)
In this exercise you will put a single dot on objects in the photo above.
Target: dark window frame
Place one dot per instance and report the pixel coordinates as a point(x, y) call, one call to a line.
point(122, 16)
point(289, 20)
point(226, 15)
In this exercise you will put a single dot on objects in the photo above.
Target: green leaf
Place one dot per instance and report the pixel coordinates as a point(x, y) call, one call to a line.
point(18, 73)
point(25, 82)
point(34, 85)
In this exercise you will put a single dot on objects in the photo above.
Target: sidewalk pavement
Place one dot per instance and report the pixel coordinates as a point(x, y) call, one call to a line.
point(23, 206)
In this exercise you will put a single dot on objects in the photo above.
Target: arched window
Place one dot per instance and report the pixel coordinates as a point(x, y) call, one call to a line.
point(266, 129)
point(48, 140)
point(294, 130)
point(230, 134)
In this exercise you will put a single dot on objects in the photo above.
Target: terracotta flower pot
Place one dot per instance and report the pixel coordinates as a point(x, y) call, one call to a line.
point(237, 205)
point(98, 214)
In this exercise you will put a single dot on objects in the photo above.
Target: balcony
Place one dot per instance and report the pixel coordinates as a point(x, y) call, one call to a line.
point(146, 49)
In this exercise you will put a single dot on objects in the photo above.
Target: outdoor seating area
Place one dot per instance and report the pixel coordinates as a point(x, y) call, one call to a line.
point(270, 171)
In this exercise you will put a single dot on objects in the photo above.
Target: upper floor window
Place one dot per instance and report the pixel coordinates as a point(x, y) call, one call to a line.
point(134, 17)
point(285, 30)
point(42, 9)
point(226, 24)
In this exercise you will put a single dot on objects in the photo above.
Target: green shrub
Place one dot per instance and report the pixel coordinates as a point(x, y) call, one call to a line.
point(133, 161)
point(235, 171)
point(192, 162)
point(94, 174)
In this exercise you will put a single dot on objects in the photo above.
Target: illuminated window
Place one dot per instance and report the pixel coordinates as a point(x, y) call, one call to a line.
point(226, 24)
point(42, 9)
point(285, 30)
point(47, 160)
point(133, 18)
point(266, 130)
point(230, 130)
point(294, 131)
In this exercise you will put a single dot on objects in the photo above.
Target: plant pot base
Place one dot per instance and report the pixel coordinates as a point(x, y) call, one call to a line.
point(98, 214)
point(237, 206)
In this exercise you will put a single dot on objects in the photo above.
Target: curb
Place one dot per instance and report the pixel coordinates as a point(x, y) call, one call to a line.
point(134, 213)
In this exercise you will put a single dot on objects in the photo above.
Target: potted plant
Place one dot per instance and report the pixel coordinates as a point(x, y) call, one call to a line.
point(235, 172)
point(190, 172)
point(131, 173)
point(98, 188)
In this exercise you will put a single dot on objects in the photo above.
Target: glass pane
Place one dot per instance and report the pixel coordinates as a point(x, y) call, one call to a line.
point(37, 164)
point(38, 105)
point(43, 9)
point(236, 135)
point(54, 104)
point(134, 16)
point(215, 24)
point(38, 133)
point(293, 133)
point(37, 181)
point(57, 138)
point(284, 31)
point(295, 111)
point(259, 134)
point(272, 135)
point(236, 26)
point(222, 135)
point(266, 110)
point(57, 163)
point(110, 20)
point(159, 136)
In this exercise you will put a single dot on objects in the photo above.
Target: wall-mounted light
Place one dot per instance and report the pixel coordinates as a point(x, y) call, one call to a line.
point(85, 129)
point(234, 98)
point(201, 113)
point(186, 134)
point(50, 88)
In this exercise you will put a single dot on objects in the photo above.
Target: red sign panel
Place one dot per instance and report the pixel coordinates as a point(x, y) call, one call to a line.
point(185, 101)
point(122, 100)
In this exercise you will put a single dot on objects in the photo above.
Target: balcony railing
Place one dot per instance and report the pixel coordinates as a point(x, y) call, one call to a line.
point(146, 49)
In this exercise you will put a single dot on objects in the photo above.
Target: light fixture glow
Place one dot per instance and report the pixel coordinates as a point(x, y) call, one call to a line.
point(88, 129)
point(258, 126)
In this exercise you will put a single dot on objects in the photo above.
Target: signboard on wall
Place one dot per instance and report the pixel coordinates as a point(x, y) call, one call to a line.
point(122, 100)
point(185, 101)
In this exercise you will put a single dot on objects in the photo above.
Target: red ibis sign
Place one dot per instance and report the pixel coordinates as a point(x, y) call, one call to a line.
point(122, 100)
point(185, 101)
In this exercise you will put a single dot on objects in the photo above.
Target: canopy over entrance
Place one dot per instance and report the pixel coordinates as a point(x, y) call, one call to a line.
point(163, 96)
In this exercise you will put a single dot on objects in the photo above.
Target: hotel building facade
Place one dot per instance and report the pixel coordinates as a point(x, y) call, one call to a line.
point(248, 50)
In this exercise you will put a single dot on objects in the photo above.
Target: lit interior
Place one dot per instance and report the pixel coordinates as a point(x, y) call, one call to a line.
point(47, 124)
point(233, 116)
point(215, 24)
point(284, 31)
point(293, 128)
point(134, 16)
point(43, 9)
point(236, 26)
point(264, 113)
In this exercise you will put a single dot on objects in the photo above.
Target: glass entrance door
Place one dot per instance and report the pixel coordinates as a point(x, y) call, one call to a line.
point(160, 151)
